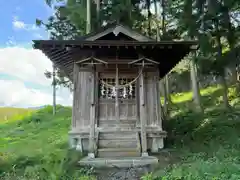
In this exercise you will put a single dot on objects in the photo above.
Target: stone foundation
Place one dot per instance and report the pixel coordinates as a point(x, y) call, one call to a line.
point(119, 162)
point(79, 139)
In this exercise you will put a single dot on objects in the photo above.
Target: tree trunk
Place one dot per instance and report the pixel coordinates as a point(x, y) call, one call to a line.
point(163, 18)
point(165, 103)
point(167, 97)
point(149, 17)
point(231, 40)
point(157, 16)
point(98, 13)
point(168, 93)
point(195, 86)
point(225, 91)
point(54, 89)
point(222, 71)
point(88, 20)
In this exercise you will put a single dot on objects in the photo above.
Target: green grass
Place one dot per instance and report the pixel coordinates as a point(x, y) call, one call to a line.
point(206, 146)
point(203, 146)
point(36, 147)
point(9, 114)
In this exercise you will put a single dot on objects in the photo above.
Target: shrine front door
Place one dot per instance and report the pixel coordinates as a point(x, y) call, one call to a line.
point(122, 113)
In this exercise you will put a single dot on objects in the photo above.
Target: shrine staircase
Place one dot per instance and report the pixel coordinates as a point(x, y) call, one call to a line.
point(120, 149)
point(118, 144)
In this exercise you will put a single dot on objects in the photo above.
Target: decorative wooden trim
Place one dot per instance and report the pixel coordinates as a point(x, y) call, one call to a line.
point(142, 60)
point(120, 29)
point(91, 60)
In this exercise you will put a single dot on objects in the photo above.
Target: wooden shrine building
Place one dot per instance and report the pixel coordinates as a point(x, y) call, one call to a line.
point(116, 101)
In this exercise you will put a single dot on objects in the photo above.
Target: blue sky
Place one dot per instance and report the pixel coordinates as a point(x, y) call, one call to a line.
point(21, 11)
point(22, 80)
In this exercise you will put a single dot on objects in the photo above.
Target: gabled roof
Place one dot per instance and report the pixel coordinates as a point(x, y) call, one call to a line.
point(64, 53)
point(116, 29)
point(111, 38)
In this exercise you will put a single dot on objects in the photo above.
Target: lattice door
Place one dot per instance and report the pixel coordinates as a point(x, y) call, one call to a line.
point(126, 98)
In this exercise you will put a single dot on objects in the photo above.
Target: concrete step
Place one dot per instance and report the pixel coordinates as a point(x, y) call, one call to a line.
point(118, 152)
point(119, 162)
point(126, 162)
point(117, 143)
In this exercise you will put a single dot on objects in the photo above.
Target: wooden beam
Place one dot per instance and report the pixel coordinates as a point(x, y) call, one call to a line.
point(145, 60)
point(91, 60)
point(39, 44)
point(116, 98)
point(59, 54)
point(158, 102)
point(143, 117)
point(75, 93)
point(91, 149)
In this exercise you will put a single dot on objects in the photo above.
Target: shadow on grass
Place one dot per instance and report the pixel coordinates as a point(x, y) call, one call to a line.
point(57, 165)
point(217, 127)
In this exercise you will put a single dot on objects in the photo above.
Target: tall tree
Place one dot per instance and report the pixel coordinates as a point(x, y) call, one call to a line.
point(191, 23)
point(166, 88)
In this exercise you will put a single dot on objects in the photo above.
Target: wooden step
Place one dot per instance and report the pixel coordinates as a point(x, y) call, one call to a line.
point(117, 135)
point(113, 122)
point(118, 152)
point(117, 143)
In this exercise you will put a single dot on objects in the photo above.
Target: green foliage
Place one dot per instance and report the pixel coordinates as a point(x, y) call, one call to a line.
point(213, 24)
point(207, 145)
point(36, 147)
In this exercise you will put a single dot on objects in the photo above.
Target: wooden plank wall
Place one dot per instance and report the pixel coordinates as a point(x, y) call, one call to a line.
point(81, 101)
point(152, 99)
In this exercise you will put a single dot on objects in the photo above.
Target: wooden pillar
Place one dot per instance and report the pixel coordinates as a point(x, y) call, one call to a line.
point(91, 149)
point(143, 117)
point(116, 98)
point(75, 94)
point(158, 103)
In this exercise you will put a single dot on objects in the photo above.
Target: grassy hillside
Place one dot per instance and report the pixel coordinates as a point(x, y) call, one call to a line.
point(198, 146)
point(10, 113)
point(203, 147)
point(36, 146)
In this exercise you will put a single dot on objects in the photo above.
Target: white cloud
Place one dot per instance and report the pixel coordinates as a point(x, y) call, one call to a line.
point(11, 41)
point(38, 36)
point(15, 93)
point(18, 24)
point(25, 64)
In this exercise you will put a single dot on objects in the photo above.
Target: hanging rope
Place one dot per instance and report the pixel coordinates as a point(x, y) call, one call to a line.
point(124, 85)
